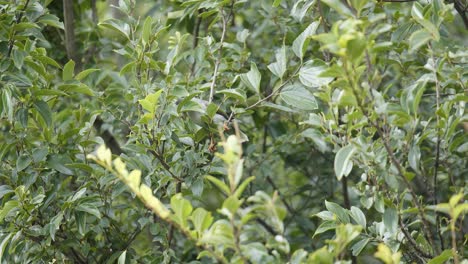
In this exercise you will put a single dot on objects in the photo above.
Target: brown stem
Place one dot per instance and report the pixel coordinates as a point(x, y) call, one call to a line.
point(462, 11)
point(165, 165)
point(411, 240)
point(69, 23)
point(288, 206)
point(454, 243)
point(344, 185)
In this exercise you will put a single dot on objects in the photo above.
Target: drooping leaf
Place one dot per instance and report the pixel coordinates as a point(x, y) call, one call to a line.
point(358, 216)
point(343, 160)
point(300, 43)
point(298, 96)
point(299, 9)
point(4, 243)
point(418, 39)
point(278, 68)
point(309, 74)
point(45, 112)
point(359, 246)
point(252, 78)
point(390, 219)
point(442, 258)
point(339, 211)
point(22, 162)
point(80, 76)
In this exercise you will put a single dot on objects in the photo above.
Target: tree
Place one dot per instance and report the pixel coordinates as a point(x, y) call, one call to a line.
point(326, 131)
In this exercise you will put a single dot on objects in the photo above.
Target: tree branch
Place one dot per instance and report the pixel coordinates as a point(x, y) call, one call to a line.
point(69, 23)
point(220, 54)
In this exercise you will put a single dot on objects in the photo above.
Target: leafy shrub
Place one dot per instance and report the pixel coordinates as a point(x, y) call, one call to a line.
point(230, 131)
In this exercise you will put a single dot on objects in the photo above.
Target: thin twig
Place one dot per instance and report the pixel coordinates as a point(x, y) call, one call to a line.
point(196, 33)
point(278, 90)
point(437, 150)
point(165, 165)
point(411, 239)
point(272, 183)
point(220, 54)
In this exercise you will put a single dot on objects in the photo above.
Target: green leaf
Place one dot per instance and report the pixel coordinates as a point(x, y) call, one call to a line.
point(145, 35)
point(343, 161)
point(300, 43)
point(300, 8)
point(390, 219)
point(55, 224)
point(339, 211)
point(278, 68)
point(418, 39)
point(414, 156)
point(3, 244)
point(80, 76)
point(80, 218)
point(122, 257)
point(45, 112)
point(68, 70)
point(324, 227)
point(309, 74)
point(22, 162)
point(150, 102)
point(220, 233)
point(22, 115)
point(276, 3)
point(201, 220)
point(90, 209)
point(442, 258)
point(339, 7)
point(416, 13)
point(182, 209)
point(252, 78)
point(358, 216)
point(359, 246)
point(358, 5)
point(279, 107)
point(51, 20)
point(233, 93)
point(218, 183)
point(117, 26)
point(56, 162)
point(127, 67)
point(4, 190)
point(243, 185)
point(7, 104)
point(230, 206)
point(298, 96)
point(39, 154)
point(10, 205)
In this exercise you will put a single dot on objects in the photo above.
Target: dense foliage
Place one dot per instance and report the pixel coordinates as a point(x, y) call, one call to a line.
point(224, 131)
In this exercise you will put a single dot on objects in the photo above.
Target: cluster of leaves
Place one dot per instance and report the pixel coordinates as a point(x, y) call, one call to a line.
point(350, 115)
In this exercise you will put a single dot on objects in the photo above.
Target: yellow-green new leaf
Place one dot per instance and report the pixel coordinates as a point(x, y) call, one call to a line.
point(150, 102)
